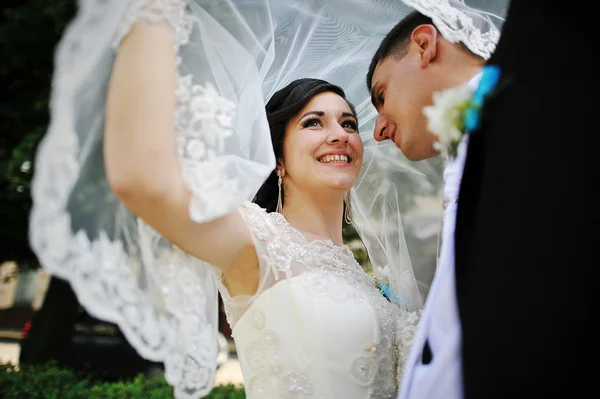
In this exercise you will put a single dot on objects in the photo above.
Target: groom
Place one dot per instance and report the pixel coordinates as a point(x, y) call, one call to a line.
point(412, 62)
point(527, 264)
point(527, 268)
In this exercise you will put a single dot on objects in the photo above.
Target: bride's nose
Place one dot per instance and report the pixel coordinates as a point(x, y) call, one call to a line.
point(381, 128)
point(337, 134)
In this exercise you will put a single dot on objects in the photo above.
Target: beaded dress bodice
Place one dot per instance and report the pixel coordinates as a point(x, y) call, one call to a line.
point(318, 327)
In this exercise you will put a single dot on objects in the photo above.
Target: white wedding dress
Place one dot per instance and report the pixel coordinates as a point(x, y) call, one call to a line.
point(318, 327)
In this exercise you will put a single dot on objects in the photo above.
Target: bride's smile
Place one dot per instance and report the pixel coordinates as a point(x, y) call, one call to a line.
point(322, 147)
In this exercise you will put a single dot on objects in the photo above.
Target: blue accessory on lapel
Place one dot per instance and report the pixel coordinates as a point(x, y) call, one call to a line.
point(387, 292)
point(489, 80)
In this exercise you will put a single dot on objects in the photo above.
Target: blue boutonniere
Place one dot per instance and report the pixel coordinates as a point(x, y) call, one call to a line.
point(457, 111)
point(489, 80)
point(390, 296)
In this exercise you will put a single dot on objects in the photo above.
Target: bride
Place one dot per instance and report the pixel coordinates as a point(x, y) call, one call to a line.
point(306, 319)
point(161, 103)
point(142, 200)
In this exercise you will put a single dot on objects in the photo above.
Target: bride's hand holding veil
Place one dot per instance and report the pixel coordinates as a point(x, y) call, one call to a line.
point(141, 156)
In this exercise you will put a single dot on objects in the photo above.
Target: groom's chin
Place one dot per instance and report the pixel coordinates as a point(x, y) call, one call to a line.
point(417, 148)
point(409, 151)
point(419, 155)
point(413, 157)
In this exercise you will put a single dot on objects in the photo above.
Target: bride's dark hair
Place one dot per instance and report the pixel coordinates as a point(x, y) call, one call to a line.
point(283, 106)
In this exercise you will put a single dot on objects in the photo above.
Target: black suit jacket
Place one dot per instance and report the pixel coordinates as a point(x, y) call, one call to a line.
point(528, 219)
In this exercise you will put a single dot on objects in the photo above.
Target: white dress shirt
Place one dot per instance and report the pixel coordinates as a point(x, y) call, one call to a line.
point(440, 325)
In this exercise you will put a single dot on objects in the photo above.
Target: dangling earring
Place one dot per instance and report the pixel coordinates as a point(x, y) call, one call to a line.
point(280, 184)
point(348, 210)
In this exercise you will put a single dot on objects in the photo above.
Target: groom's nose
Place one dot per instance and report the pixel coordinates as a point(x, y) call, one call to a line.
point(381, 128)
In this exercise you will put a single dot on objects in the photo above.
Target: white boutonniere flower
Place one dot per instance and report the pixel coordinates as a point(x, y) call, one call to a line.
point(457, 111)
point(445, 118)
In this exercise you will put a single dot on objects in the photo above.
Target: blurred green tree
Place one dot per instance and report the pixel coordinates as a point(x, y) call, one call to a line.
point(29, 32)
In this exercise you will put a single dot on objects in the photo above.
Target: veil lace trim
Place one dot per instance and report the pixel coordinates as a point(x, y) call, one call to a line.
point(459, 23)
point(102, 269)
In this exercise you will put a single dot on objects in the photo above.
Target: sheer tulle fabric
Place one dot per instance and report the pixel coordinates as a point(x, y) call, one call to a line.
point(233, 55)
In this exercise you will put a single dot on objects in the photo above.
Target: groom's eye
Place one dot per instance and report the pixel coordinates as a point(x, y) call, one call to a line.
point(380, 99)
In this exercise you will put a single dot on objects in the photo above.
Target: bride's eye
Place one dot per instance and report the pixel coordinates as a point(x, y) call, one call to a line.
point(311, 123)
point(350, 124)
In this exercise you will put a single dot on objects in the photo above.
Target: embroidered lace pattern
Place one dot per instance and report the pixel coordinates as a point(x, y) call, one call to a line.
point(457, 26)
point(263, 359)
point(282, 248)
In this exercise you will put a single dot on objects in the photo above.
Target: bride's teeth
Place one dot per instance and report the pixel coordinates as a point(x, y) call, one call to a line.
point(334, 158)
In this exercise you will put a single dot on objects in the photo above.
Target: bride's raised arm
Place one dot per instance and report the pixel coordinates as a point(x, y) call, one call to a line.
point(141, 155)
point(136, 115)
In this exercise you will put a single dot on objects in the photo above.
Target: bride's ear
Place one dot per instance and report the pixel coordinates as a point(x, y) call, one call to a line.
point(280, 169)
point(425, 37)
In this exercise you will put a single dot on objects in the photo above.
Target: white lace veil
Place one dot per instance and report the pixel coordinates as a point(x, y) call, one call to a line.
point(233, 56)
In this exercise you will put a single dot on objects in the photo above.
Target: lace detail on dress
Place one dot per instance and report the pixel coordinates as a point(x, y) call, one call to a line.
point(285, 245)
point(267, 367)
point(171, 12)
point(455, 22)
point(321, 266)
point(320, 284)
point(406, 329)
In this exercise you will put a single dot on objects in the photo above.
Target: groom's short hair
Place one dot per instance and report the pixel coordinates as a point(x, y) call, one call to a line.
point(396, 41)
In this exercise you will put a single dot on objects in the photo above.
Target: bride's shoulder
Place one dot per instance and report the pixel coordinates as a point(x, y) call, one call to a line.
point(259, 218)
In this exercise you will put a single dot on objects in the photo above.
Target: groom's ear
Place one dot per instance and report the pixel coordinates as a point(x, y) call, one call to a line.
point(425, 37)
